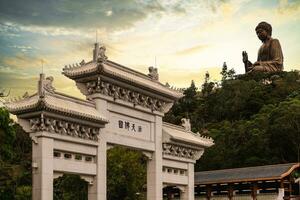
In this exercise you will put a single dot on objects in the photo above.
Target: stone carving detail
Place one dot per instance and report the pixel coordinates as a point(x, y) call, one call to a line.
point(64, 128)
point(25, 95)
point(48, 84)
point(186, 124)
point(179, 151)
point(125, 94)
point(153, 73)
point(82, 62)
point(101, 56)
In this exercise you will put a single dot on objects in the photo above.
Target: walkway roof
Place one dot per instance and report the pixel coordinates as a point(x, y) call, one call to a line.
point(246, 174)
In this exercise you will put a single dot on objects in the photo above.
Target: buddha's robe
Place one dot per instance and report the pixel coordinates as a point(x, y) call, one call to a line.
point(270, 57)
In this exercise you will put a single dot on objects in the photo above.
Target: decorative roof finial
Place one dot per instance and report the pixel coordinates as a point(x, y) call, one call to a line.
point(96, 35)
point(186, 124)
point(25, 95)
point(99, 53)
point(45, 85)
point(2, 93)
point(41, 91)
point(42, 61)
point(102, 57)
point(48, 84)
point(153, 73)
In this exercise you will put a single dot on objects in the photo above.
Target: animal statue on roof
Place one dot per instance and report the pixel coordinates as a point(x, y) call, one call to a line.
point(186, 124)
point(2, 93)
point(153, 73)
point(48, 84)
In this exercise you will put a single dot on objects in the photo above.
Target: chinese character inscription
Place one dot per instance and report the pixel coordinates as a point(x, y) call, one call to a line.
point(130, 126)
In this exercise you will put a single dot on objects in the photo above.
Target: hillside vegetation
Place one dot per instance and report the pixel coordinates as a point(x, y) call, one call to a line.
point(254, 119)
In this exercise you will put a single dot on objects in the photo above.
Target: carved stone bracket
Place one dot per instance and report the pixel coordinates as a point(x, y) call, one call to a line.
point(64, 128)
point(180, 151)
point(117, 92)
point(149, 155)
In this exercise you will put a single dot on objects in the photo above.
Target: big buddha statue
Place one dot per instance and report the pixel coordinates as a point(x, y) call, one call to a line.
point(270, 57)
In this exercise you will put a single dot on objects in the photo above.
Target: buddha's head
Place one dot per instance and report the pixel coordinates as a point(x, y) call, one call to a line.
point(263, 31)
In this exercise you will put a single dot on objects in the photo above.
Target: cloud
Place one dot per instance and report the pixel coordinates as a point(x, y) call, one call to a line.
point(108, 14)
point(23, 48)
point(183, 77)
point(283, 13)
point(290, 8)
point(20, 61)
point(184, 36)
point(112, 14)
point(17, 82)
point(192, 50)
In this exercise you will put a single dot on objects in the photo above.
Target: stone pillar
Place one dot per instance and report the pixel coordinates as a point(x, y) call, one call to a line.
point(97, 191)
point(101, 106)
point(188, 194)
point(154, 166)
point(42, 169)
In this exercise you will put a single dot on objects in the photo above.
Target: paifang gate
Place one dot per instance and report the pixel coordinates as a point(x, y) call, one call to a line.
point(122, 107)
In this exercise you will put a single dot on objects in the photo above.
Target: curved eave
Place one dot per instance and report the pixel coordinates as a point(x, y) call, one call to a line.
point(290, 170)
point(72, 113)
point(41, 105)
point(91, 69)
point(17, 108)
point(179, 135)
point(78, 72)
point(161, 89)
point(197, 142)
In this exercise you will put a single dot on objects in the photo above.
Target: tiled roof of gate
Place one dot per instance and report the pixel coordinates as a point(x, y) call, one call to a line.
point(246, 174)
point(56, 102)
point(178, 133)
point(120, 72)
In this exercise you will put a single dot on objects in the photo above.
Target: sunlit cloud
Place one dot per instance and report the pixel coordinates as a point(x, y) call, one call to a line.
point(192, 50)
point(186, 38)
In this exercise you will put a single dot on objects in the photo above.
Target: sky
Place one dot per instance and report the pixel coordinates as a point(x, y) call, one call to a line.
point(183, 38)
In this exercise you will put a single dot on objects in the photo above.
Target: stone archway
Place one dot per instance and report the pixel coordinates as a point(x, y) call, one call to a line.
point(123, 107)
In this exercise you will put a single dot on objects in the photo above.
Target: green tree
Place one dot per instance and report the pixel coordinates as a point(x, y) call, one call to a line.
point(227, 74)
point(285, 130)
point(70, 187)
point(15, 159)
point(207, 86)
point(185, 106)
point(126, 174)
point(7, 136)
point(252, 118)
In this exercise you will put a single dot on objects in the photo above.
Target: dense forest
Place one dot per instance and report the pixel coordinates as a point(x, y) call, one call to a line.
point(254, 119)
